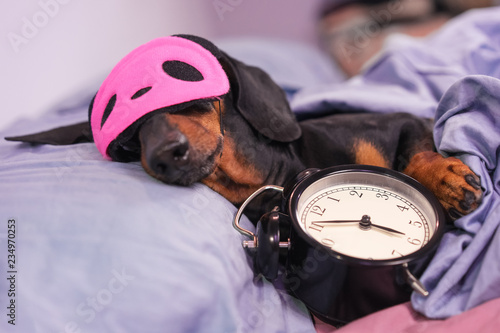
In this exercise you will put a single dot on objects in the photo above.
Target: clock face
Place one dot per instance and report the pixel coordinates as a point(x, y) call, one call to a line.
point(366, 215)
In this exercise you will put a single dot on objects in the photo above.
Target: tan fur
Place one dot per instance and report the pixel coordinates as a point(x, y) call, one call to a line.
point(443, 176)
point(366, 153)
point(202, 129)
point(234, 178)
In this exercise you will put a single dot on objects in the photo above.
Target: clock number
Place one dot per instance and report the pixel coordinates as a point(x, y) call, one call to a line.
point(414, 241)
point(318, 210)
point(416, 224)
point(328, 242)
point(359, 195)
point(316, 227)
point(338, 200)
point(402, 208)
point(395, 252)
point(383, 196)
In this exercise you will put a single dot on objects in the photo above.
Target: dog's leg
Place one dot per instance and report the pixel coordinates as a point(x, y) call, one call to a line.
point(453, 183)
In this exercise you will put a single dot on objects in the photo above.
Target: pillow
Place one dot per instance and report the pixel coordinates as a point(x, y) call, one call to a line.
point(102, 247)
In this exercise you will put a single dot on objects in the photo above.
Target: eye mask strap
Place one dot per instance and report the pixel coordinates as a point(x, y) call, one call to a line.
point(220, 122)
point(221, 125)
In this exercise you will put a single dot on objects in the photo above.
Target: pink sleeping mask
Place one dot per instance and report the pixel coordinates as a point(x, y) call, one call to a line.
point(164, 72)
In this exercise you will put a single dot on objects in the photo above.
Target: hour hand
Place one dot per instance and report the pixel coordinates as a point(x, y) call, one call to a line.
point(388, 229)
point(366, 224)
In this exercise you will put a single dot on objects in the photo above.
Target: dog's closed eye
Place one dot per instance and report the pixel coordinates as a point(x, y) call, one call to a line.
point(199, 108)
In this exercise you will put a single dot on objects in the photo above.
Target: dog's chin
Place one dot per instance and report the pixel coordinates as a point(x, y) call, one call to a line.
point(192, 176)
point(196, 171)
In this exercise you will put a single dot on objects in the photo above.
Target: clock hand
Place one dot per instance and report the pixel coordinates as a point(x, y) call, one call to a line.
point(334, 221)
point(387, 229)
point(366, 224)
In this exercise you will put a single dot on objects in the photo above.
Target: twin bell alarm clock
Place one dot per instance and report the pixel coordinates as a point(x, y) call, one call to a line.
point(347, 240)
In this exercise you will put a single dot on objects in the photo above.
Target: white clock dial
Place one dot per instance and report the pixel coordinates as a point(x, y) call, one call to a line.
point(371, 217)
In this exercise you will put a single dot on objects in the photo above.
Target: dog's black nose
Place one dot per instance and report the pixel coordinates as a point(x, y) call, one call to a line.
point(164, 149)
point(169, 158)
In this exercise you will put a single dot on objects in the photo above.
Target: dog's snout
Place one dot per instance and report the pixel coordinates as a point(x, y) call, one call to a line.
point(172, 155)
point(168, 158)
point(165, 149)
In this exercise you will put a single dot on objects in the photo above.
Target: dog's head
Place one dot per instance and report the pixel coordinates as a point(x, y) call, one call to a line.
point(168, 104)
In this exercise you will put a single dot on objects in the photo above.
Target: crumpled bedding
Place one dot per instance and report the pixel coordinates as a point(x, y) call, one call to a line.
point(451, 76)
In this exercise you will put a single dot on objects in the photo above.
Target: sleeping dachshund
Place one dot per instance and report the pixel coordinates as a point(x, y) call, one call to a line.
point(191, 113)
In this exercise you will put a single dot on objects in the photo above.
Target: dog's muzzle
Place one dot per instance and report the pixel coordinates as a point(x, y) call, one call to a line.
point(165, 151)
point(170, 158)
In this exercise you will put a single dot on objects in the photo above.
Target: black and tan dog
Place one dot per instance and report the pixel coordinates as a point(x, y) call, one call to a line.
point(250, 138)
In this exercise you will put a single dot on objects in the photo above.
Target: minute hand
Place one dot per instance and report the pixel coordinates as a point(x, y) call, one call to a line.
point(333, 222)
point(326, 223)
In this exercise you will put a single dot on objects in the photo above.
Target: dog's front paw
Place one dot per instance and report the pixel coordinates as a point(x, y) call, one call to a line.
point(456, 186)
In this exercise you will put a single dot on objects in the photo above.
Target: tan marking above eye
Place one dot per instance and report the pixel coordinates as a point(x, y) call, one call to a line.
point(201, 129)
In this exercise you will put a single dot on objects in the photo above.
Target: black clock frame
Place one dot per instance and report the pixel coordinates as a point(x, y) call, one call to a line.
point(335, 287)
point(338, 288)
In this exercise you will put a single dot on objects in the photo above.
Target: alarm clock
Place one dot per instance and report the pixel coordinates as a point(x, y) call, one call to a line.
point(347, 240)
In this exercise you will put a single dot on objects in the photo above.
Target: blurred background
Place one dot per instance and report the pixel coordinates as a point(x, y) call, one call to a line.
point(52, 50)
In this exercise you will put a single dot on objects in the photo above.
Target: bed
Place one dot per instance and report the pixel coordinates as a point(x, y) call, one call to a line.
point(103, 247)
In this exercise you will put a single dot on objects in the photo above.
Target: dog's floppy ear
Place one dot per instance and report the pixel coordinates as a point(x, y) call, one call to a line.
point(67, 135)
point(261, 101)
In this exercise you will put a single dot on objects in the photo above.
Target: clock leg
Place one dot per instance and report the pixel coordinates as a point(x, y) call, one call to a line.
point(414, 283)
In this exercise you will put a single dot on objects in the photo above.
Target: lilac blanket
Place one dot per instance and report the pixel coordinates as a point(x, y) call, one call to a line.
point(453, 77)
